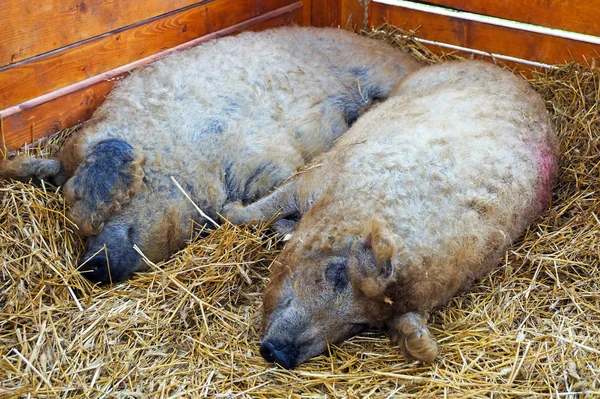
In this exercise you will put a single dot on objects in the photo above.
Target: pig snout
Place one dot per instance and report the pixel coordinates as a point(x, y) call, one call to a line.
point(291, 338)
point(95, 267)
point(285, 356)
point(110, 256)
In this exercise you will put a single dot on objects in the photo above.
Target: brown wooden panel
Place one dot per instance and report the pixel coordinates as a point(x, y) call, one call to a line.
point(32, 27)
point(39, 75)
point(296, 16)
point(304, 18)
point(352, 14)
point(485, 37)
point(581, 16)
point(66, 107)
point(326, 12)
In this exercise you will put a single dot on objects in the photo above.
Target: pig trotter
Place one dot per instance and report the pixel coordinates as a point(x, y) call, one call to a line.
point(278, 205)
point(410, 332)
point(24, 168)
point(284, 226)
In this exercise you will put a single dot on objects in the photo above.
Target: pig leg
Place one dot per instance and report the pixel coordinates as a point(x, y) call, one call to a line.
point(279, 204)
point(410, 332)
point(25, 168)
point(106, 179)
point(283, 226)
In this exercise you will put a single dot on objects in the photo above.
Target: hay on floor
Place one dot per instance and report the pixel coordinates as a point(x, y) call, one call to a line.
point(191, 328)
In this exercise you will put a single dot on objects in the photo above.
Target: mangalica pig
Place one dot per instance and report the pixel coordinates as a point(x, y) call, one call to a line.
point(229, 120)
point(417, 200)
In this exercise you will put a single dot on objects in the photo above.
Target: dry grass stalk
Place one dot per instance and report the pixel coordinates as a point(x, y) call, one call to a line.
point(191, 328)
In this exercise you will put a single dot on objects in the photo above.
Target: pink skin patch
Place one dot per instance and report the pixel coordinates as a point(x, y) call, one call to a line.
point(547, 168)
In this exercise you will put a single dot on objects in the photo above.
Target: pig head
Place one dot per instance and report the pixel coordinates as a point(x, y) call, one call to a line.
point(333, 291)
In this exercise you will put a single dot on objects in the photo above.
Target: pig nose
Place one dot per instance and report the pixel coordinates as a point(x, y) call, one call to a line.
point(95, 269)
point(271, 353)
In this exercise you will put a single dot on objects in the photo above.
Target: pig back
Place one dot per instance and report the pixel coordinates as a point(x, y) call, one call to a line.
point(272, 99)
point(456, 164)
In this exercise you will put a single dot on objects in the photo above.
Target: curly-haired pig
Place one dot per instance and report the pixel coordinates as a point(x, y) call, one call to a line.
point(229, 120)
point(417, 200)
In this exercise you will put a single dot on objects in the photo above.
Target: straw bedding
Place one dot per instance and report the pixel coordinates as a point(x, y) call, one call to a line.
point(191, 327)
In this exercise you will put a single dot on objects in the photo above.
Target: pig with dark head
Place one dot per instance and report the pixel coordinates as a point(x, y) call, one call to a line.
point(416, 201)
point(229, 120)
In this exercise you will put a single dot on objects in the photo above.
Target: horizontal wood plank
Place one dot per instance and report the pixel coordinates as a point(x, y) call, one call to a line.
point(580, 16)
point(32, 27)
point(69, 106)
point(39, 75)
point(485, 37)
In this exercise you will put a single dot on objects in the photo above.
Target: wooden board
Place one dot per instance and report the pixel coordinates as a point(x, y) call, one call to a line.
point(326, 12)
point(69, 106)
point(485, 37)
point(582, 16)
point(347, 14)
point(352, 14)
point(39, 75)
point(32, 27)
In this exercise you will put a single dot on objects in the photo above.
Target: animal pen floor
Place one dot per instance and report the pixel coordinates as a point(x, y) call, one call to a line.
point(191, 327)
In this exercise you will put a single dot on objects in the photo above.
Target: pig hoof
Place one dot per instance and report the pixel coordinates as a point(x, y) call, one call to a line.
point(420, 346)
point(284, 227)
point(410, 332)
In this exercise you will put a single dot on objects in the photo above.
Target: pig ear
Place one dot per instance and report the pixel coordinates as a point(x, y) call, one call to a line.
point(371, 266)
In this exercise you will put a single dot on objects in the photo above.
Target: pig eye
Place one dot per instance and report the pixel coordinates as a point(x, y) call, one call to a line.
point(336, 273)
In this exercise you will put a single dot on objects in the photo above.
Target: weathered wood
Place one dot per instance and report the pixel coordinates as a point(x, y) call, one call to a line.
point(580, 16)
point(71, 105)
point(39, 75)
point(485, 37)
point(32, 27)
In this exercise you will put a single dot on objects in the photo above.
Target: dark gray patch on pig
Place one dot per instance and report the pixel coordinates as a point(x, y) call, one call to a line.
point(233, 107)
point(232, 186)
point(362, 73)
point(213, 126)
point(336, 273)
point(262, 168)
point(370, 91)
point(104, 170)
point(351, 103)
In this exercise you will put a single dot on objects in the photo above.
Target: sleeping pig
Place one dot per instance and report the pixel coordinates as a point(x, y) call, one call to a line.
point(416, 201)
point(229, 120)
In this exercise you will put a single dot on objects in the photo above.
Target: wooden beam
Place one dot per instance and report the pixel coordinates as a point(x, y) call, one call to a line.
point(33, 27)
point(580, 16)
point(66, 107)
point(42, 74)
point(485, 37)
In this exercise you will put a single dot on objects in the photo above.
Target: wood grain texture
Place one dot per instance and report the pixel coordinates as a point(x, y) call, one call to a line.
point(485, 37)
point(305, 17)
point(32, 27)
point(38, 118)
point(34, 77)
point(582, 16)
point(352, 14)
point(326, 12)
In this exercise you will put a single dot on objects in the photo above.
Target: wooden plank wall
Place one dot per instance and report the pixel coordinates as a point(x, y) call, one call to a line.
point(59, 59)
point(579, 16)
